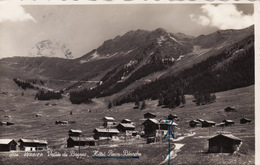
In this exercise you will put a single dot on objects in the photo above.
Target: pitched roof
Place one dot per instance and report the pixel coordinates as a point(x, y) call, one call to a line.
point(127, 125)
point(75, 131)
point(109, 118)
point(154, 121)
point(33, 141)
point(148, 113)
point(6, 141)
point(82, 138)
point(229, 121)
point(112, 130)
point(230, 136)
point(195, 121)
point(210, 122)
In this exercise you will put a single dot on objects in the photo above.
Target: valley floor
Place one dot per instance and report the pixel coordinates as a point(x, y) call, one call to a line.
point(22, 111)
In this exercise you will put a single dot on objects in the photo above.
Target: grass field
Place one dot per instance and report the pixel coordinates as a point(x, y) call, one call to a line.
point(22, 111)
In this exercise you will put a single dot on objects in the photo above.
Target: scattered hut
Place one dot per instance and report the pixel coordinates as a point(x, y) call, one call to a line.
point(32, 144)
point(207, 123)
point(80, 141)
point(149, 115)
point(74, 132)
point(200, 120)
point(230, 109)
point(245, 120)
point(7, 144)
point(9, 123)
point(123, 127)
point(38, 115)
point(194, 123)
point(228, 122)
point(105, 133)
point(61, 122)
point(223, 143)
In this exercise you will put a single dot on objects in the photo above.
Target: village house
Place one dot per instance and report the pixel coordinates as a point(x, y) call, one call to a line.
point(194, 123)
point(7, 144)
point(223, 143)
point(109, 122)
point(207, 123)
point(200, 120)
point(228, 122)
point(74, 132)
point(105, 133)
point(123, 127)
point(149, 115)
point(80, 141)
point(32, 144)
point(245, 120)
point(38, 115)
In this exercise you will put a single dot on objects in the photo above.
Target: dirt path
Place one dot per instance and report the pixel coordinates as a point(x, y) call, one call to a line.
point(177, 147)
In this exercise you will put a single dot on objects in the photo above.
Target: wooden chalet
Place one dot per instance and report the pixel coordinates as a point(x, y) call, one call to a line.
point(80, 141)
point(151, 126)
point(223, 143)
point(7, 144)
point(200, 120)
point(32, 144)
point(123, 127)
point(74, 132)
point(105, 133)
point(245, 120)
point(194, 123)
point(149, 115)
point(228, 122)
point(208, 123)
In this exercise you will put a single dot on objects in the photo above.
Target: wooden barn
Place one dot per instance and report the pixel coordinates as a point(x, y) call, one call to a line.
point(109, 122)
point(80, 141)
point(32, 144)
point(149, 115)
point(223, 143)
point(105, 133)
point(74, 132)
point(207, 123)
point(228, 122)
point(245, 120)
point(7, 144)
point(194, 123)
point(126, 121)
point(123, 127)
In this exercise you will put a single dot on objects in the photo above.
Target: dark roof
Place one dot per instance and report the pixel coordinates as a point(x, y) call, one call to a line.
point(168, 122)
point(230, 136)
point(245, 119)
point(195, 121)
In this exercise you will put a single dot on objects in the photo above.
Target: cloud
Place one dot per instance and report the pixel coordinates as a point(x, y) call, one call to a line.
point(13, 12)
point(223, 16)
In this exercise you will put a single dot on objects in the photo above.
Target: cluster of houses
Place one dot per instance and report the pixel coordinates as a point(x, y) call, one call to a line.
point(207, 123)
point(24, 144)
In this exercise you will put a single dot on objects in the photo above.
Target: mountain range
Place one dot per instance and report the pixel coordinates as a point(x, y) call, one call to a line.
point(140, 58)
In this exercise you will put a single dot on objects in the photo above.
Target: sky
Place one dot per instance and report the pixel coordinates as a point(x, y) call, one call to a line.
point(79, 29)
